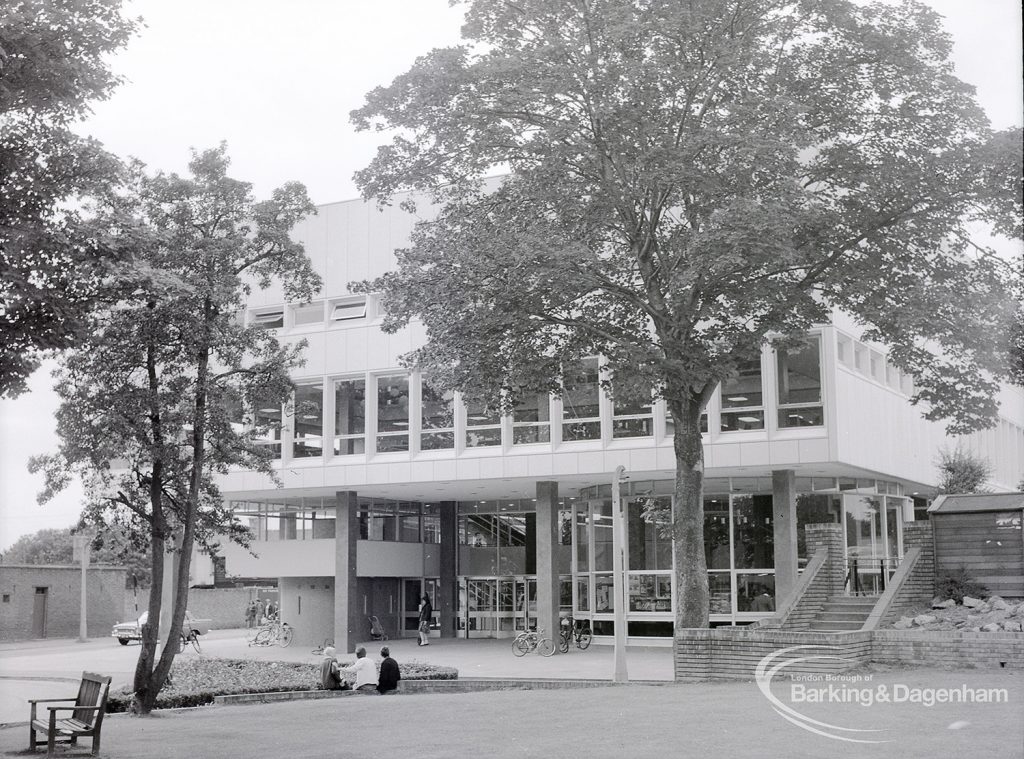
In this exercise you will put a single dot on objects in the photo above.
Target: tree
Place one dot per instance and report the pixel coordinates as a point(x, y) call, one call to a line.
point(162, 395)
point(55, 546)
point(53, 260)
point(961, 471)
point(687, 182)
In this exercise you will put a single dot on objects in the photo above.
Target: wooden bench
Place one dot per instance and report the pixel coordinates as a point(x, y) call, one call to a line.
point(86, 716)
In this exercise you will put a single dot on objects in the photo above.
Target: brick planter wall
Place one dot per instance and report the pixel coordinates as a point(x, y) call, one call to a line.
point(734, 652)
point(730, 653)
point(949, 648)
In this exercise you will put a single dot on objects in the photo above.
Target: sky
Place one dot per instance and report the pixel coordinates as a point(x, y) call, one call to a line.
point(277, 81)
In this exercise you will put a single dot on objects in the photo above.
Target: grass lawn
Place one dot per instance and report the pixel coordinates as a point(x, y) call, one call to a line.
point(701, 720)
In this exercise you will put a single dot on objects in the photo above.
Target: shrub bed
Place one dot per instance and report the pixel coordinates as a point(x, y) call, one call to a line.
point(196, 681)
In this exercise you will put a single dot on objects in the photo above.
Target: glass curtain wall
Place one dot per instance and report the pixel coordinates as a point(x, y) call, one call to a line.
point(497, 566)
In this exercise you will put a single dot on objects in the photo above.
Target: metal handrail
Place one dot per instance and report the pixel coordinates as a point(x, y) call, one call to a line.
point(886, 566)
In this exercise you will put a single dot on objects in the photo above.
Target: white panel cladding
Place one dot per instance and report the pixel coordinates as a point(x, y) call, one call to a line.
point(377, 558)
point(289, 558)
point(755, 454)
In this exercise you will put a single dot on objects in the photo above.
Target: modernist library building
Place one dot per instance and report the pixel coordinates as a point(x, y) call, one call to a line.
point(393, 489)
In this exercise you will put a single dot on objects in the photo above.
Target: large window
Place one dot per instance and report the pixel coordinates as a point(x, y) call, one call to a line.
point(392, 414)
point(581, 404)
point(531, 420)
point(632, 418)
point(437, 418)
point(799, 386)
point(743, 399)
point(349, 417)
point(267, 421)
point(308, 440)
point(483, 426)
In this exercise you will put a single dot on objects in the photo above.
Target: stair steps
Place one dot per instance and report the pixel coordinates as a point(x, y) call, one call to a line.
point(843, 613)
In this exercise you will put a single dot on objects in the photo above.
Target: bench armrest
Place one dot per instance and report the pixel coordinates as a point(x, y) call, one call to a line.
point(47, 700)
point(74, 708)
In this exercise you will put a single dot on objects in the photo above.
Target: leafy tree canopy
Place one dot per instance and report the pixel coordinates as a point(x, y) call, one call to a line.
point(160, 397)
point(55, 546)
point(961, 471)
point(53, 260)
point(686, 182)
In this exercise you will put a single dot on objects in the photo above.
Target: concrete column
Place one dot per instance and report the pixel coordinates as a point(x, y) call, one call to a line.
point(348, 617)
point(548, 600)
point(784, 523)
point(448, 583)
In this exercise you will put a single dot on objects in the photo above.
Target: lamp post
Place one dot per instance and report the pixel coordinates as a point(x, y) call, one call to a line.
point(619, 577)
point(80, 552)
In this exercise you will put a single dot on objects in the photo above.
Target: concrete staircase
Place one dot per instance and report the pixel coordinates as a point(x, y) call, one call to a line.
point(843, 613)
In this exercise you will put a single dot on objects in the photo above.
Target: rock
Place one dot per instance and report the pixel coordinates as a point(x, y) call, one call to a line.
point(949, 603)
point(924, 619)
point(974, 629)
point(973, 603)
point(1014, 627)
point(904, 623)
point(991, 627)
point(998, 604)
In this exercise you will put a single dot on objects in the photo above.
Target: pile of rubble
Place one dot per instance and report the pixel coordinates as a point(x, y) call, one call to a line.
point(991, 615)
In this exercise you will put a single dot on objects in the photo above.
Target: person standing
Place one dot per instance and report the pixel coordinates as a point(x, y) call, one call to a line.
point(426, 615)
point(365, 671)
point(387, 679)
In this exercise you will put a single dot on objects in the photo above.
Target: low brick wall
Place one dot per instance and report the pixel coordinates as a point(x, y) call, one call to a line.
point(734, 653)
point(949, 648)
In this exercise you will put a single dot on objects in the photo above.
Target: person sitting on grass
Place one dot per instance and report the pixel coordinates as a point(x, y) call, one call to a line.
point(389, 674)
point(330, 675)
point(365, 671)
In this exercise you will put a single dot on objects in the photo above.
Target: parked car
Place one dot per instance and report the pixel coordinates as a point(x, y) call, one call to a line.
point(126, 631)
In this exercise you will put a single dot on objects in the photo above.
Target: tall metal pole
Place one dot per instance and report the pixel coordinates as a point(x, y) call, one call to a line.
point(619, 577)
point(81, 548)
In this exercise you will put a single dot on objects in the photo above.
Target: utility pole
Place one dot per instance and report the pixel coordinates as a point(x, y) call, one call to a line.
point(80, 552)
point(619, 576)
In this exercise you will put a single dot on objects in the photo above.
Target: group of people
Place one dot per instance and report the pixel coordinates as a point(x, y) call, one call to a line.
point(363, 673)
point(256, 612)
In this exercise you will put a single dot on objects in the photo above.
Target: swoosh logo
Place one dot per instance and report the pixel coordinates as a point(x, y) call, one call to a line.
point(771, 665)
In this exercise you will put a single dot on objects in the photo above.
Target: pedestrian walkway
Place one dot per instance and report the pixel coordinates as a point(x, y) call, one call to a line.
point(51, 668)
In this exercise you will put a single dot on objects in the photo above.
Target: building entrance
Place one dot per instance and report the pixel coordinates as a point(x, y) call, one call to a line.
point(496, 607)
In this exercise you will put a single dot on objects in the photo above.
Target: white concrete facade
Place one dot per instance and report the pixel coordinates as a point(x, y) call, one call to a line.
point(869, 431)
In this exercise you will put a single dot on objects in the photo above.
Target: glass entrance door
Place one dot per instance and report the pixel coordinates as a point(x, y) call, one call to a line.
point(496, 607)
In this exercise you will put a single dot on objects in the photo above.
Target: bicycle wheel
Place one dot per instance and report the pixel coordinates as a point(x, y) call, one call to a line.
point(563, 644)
point(193, 638)
point(583, 640)
point(263, 638)
point(181, 643)
point(520, 646)
point(545, 647)
point(286, 636)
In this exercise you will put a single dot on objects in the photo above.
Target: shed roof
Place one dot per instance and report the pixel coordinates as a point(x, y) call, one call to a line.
point(971, 502)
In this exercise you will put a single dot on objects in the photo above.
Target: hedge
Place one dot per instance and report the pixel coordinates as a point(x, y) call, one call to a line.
point(197, 680)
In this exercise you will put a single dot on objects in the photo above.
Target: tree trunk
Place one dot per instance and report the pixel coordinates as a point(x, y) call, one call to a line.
point(692, 598)
point(145, 686)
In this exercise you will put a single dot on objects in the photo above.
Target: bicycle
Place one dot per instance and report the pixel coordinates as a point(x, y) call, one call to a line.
point(531, 640)
point(319, 650)
point(274, 633)
point(570, 628)
point(189, 637)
